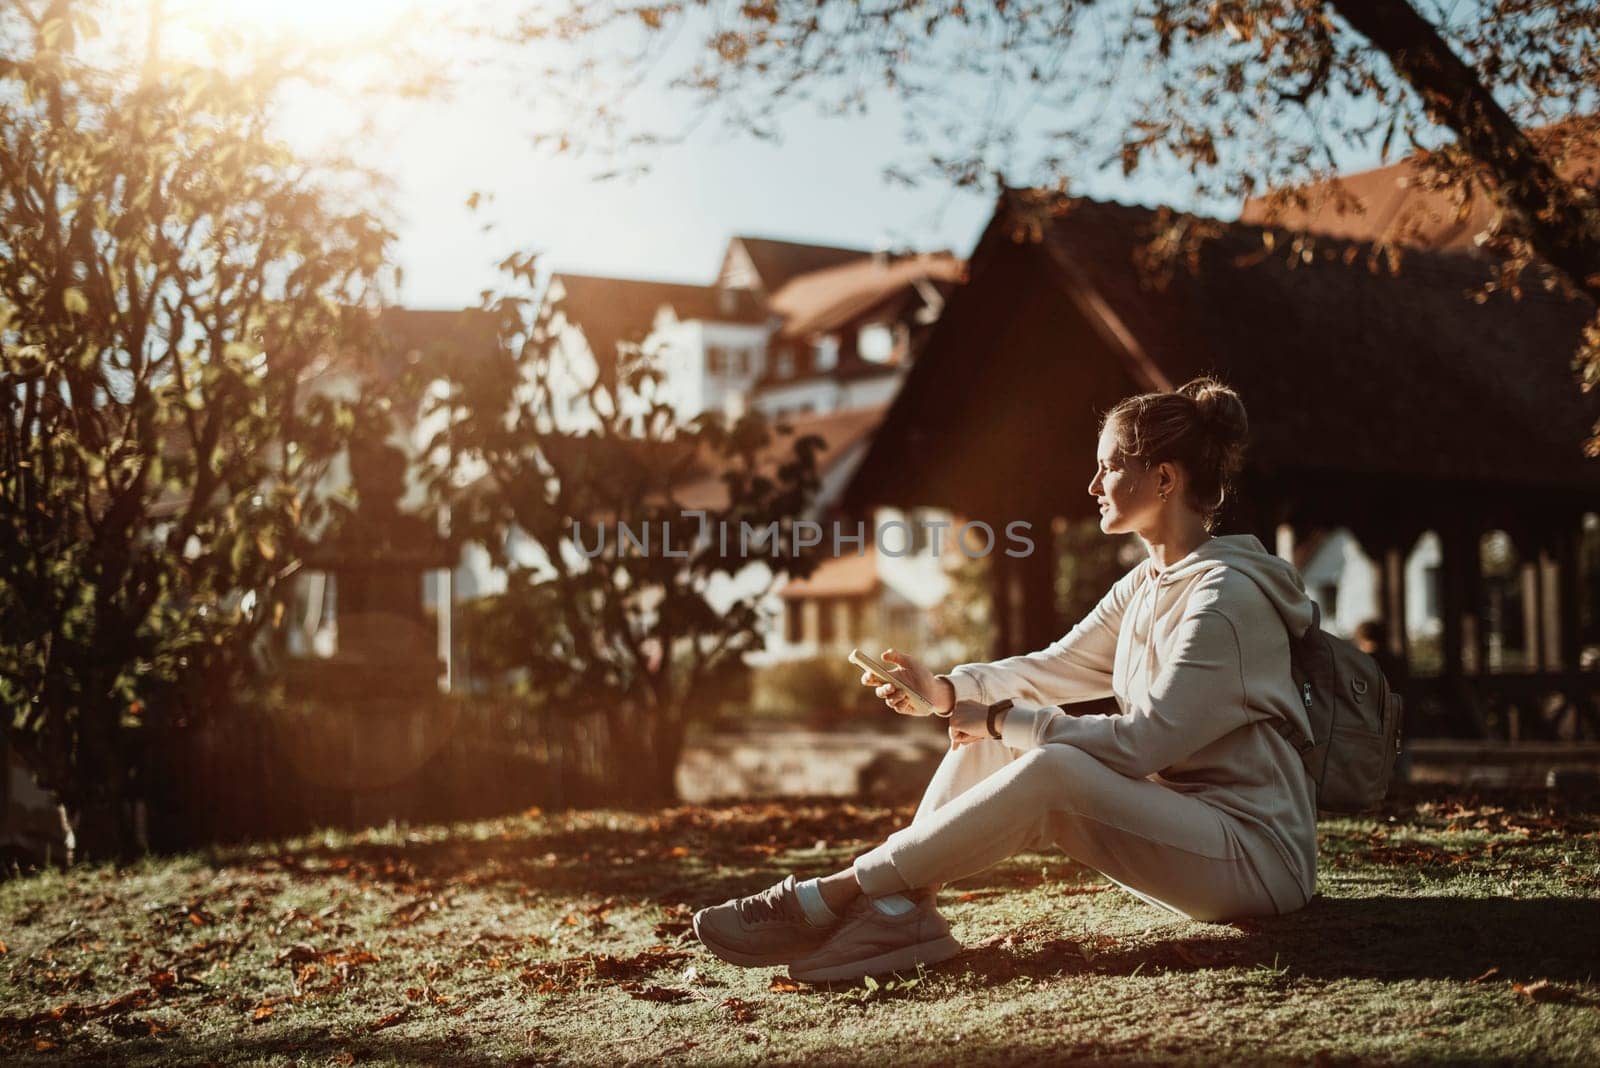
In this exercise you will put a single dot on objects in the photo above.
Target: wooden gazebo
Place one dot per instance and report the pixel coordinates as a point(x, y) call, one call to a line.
point(1388, 404)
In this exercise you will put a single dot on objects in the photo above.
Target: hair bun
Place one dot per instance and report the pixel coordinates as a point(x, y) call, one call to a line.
point(1220, 410)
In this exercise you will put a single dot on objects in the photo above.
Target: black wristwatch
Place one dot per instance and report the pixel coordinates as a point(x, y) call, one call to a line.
point(994, 710)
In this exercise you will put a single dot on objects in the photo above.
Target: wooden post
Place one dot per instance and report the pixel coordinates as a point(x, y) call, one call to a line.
point(1552, 598)
point(1567, 581)
point(1394, 607)
point(1532, 616)
point(1000, 603)
point(1452, 596)
point(1036, 572)
point(1284, 547)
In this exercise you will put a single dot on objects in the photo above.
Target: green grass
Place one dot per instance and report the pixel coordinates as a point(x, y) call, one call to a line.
point(1445, 931)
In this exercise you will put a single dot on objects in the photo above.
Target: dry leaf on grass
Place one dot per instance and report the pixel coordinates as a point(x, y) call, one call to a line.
point(1543, 990)
point(389, 1020)
point(741, 1010)
point(783, 985)
point(668, 994)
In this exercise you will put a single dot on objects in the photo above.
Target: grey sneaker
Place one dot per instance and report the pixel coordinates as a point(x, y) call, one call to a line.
point(765, 928)
point(869, 943)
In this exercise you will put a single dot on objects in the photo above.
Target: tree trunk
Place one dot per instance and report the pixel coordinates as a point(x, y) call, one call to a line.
point(101, 825)
point(1453, 94)
point(642, 755)
point(667, 752)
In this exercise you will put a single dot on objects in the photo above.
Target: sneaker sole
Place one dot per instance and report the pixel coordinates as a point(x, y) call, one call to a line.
point(899, 960)
point(734, 956)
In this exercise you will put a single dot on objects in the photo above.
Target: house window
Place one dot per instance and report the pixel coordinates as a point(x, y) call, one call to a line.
point(785, 365)
point(1328, 600)
point(716, 359)
point(854, 621)
point(875, 342)
point(825, 352)
point(738, 361)
point(825, 610)
point(794, 621)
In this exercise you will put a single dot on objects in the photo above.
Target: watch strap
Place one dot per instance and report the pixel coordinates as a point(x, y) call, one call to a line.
point(994, 710)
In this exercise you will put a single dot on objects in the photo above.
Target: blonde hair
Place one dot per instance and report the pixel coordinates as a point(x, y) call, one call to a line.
point(1202, 427)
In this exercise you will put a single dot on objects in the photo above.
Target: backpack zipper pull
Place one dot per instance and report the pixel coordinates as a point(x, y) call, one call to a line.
point(1305, 694)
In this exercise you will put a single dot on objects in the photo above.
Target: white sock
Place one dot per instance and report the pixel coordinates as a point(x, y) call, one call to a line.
point(893, 904)
point(818, 914)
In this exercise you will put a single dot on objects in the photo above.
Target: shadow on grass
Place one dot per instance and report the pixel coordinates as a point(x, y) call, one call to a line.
point(688, 854)
point(1370, 937)
point(317, 1045)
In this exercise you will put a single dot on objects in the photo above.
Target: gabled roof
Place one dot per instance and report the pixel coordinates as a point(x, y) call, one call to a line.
point(836, 296)
point(611, 311)
point(1347, 373)
point(847, 575)
point(1393, 202)
point(776, 262)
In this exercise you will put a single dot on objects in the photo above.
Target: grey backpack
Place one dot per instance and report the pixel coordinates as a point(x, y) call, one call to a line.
point(1355, 720)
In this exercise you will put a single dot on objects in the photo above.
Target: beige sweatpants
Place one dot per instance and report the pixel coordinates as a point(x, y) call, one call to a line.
point(988, 801)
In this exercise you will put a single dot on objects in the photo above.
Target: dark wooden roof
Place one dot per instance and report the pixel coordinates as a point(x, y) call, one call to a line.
point(1352, 378)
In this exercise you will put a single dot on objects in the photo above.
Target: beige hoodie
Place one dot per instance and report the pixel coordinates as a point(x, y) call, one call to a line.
point(1197, 656)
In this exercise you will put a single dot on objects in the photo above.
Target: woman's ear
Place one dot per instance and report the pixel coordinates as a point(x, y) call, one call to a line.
point(1169, 479)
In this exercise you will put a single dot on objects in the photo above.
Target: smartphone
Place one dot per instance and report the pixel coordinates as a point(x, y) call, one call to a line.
point(887, 672)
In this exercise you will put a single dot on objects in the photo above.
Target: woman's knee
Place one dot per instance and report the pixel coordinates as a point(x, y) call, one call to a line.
point(1066, 767)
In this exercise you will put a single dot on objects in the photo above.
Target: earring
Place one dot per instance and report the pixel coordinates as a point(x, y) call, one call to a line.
point(1162, 494)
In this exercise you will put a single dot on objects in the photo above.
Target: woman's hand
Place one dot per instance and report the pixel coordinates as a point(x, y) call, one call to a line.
point(917, 677)
point(969, 722)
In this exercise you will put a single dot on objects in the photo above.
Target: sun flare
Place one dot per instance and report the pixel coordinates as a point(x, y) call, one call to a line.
point(337, 19)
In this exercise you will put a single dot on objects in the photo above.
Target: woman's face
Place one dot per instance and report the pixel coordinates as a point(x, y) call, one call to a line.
point(1124, 489)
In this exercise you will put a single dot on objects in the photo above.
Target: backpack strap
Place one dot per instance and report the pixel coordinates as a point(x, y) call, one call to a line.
point(1293, 736)
point(1290, 732)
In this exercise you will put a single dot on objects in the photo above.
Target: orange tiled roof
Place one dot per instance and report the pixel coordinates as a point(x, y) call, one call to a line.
point(1396, 204)
point(838, 576)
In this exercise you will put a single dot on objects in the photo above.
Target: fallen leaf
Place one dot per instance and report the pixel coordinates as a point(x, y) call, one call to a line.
point(741, 1010)
point(1543, 990)
point(656, 993)
point(299, 953)
point(1490, 974)
point(389, 1020)
point(783, 985)
point(262, 1012)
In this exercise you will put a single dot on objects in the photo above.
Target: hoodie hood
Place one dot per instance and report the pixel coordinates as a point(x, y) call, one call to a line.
point(1276, 577)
